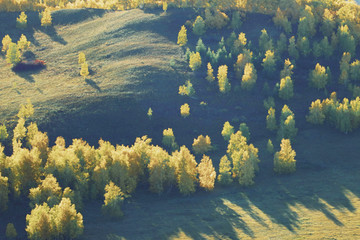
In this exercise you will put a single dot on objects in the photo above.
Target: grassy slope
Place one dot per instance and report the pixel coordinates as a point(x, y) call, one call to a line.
point(129, 54)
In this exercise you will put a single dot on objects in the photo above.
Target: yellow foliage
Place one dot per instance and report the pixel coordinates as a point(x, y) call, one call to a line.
point(227, 131)
point(182, 36)
point(6, 42)
point(224, 85)
point(286, 90)
point(215, 19)
point(4, 193)
point(207, 174)
point(210, 75)
point(202, 144)
point(195, 61)
point(185, 110)
point(318, 77)
point(249, 78)
point(284, 160)
point(224, 176)
point(113, 201)
point(271, 120)
point(316, 114)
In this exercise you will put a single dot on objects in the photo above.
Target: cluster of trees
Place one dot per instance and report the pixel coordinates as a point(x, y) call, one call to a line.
point(344, 115)
point(14, 51)
point(286, 128)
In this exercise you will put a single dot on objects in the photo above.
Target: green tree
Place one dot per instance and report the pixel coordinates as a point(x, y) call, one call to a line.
point(10, 231)
point(224, 176)
point(269, 62)
point(326, 49)
point(306, 27)
point(3, 133)
point(242, 60)
point(355, 70)
point(318, 77)
point(271, 120)
point(249, 78)
point(292, 49)
point(328, 23)
point(182, 36)
point(114, 199)
point(282, 21)
point(13, 55)
point(200, 47)
point(265, 42)
point(245, 130)
point(346, 40)
point(223, 81)
point(21, 21)
point(6, 43)
point(284, 160)
point(84, 71)
point(195, 61)
point(304, 46)
point(199, 26)
point(207, 174)
point(316, 114)
point(287, 70)
point(46, 19)
point(281, 44)
point(287, 127)
point(345, 68)
point(227, 131)
point(185, 170)
point(286, 90)
point(270, 146)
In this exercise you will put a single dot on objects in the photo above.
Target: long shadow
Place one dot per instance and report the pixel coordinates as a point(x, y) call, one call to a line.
point(93, 84)
point(51, 32)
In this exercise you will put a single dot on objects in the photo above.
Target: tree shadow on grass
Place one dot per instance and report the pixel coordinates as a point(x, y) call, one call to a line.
point(93, 84)
point(51, 32)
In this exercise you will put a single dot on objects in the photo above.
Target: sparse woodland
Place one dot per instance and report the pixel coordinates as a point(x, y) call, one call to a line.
point(56, 180)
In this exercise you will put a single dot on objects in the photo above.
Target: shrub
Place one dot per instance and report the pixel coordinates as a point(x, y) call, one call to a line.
point(202, 144)
point(249, 78)
point(224, 85)
point(185, 110)
point(182, 36)
point(284, 160)
point(10, 231)
point(21, 21)
point(207, 174)
point(195, 61)
point(318, 77)
point(114, 198)
point(199, 26)
point(224, 176)
point(227, 131)
point(286, 90)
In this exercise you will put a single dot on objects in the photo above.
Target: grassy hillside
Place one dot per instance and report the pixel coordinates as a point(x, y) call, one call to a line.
point(129, 55)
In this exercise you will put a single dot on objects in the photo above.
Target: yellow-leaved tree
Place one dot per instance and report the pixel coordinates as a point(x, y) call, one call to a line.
point(284, 160)
point(224, 85)
point(182, 36)
point(207, 174)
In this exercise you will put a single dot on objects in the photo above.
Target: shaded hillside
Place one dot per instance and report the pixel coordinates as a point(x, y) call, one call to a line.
point(123, 49)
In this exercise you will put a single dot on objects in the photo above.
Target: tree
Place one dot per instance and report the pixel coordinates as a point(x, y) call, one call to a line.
point(271, 120)
point(242, 60)
point(21, 21)
point(81, 58)
point(281, 44)
point(202, 144)
point(284, 160)
point(161, 172)
point(84, 71)
point(287, 127)
point(199, 26)
point(48, 192)
point(304, 46)
point(4, 192)
point(187, 89)
point(236, 20)
point(207, 174)
point(224, 85)
point(282, 21)
point(10, 231)
point(39, 223)
point(210, 76)
point(13, 55)
point(182, 36)
point(286, 90)
point(307, 27)
point(265, 42)
point(269, 62)
point(287, 70)
point(227, 131)
point(270, 146)
point(355, 70)
point(249, 78)
point(200, 47)
point(3, 133)
point(345, 68)
point(185, 170)
point(149, 113)
point(328, 23)
point(169, 139)
point(318, 77)
point(224, 176)
point(23, 44)
point(114, 199)
point(165, 6)
point(46, 19)
point(68, 223)
point(195, 61)
point(293, 52)
point(185, 110)
point(316, 114)
point(6, 43)
point(244, 129)
point(325, 47)
point(346, 40)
